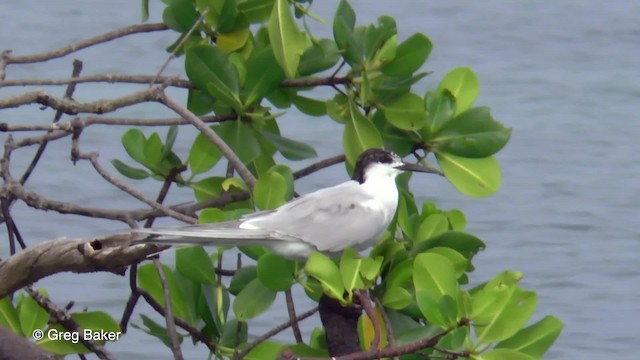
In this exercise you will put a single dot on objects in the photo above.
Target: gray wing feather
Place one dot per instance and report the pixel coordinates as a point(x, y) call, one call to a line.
point(330, 219)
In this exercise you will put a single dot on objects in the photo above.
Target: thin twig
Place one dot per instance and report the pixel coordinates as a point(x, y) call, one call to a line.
point(172, 81)
point(318, 166)
point(391, 339)
point(129, 30)
point(168, 312)
point(365, 301)
point(291, 310)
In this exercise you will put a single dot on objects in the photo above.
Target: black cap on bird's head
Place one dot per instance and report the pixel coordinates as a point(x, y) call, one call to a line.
point(380, 156)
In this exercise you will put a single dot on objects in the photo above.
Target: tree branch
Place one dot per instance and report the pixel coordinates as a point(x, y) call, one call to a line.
point(108, 254)
point(168, 313)
point(129, 30)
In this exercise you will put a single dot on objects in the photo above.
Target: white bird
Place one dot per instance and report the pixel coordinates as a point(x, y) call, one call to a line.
point(352, 214)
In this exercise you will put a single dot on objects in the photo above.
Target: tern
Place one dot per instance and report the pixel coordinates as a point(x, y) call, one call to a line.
point(351, 214)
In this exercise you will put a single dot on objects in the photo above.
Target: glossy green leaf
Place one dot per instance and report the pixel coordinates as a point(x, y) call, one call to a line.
point(9, 316)
point(536, 339)
point(200, 102)
point(371, 267)
point(458, 260)
point(343, 24)
point(410, 55)
point(203, 155)
point(237, 38)
point(149, 280)
point(253, 300)
point(270, 191)
point(228, 14)
point(359, 135)
point(234, 333)
point(208, 68)
point(464, 243)
point(376, 36)
point(194, 263)
point(396, 298)
point(275, 272)
point(457, 220)
point(180, 15)
point(153, 153)
point(503, 354)
point(505, 316)
point(31, 315)
point(133, 141)
point(310, 106)
point(463, 84)
point(242, 278)
point(212, 308)
point(401, 274)
point(435, 273)
point(265, 350)
point(441, 106)
point(241, 138)
point(257, 11)
point(472, 177)
point(338, 108)
point(472, 134)
point(322, 55)
point(350, 265)
point(406, 112)
point(287, 41)
point(130, 171)
point(427, 303)
point(207, 188)
point(324, 270)
point(290, 149)
point(432, 226)
point(263, 75)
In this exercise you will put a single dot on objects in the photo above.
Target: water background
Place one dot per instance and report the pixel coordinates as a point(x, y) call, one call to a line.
point(563, 74)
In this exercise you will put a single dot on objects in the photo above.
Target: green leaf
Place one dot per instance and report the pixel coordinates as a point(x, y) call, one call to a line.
point(263, 75)
point(472, 177)
point(441, 106)
point(435, 273)
point(265, 350)
point(536, 339)
point(376, 36)
point(350, 265)
point(472, 134)
point(322, 55)
point(270, 191)
point(287, 40)
point(180, 15)
point(203, 154)
point(309, 106)
point(242, 278)
point(200, 102)
point(194, 263)
point(503, 317)
point(396, 298)
point(130, 171)
point(458, 260)
point(464, 243)
point(463, 84)
point(228, 14)
point(9, 316)
point(432, 226)
point(503, 354)
point(208, 68)
point(324, 270)
point(156, 330)
point(343, 24)
point(457, 220)
point(257, 11)
point(400, 275)
point(153, 153)
point(241, 138)
point(275, 272)
point(133, 141)
point(410, 55)
point(406, 112)
point(359, 134)
point(208, 188)
point(31, 315)
point(290, 149)
point(234, 333)
point(149, 280)
point(253, 300)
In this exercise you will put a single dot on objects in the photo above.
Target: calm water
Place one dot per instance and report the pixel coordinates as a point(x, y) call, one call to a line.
point(563, 75)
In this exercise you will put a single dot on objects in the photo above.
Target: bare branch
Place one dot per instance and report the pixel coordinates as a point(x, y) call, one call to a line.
point(168, 313)
point(365, 301)
point(318, 166)
point(292, 316)
point(50, 257)
point(72, 107)
point(108, 78)
point(129, 30)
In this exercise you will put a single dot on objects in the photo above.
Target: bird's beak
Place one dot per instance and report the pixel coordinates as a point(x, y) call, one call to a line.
point(416, 168)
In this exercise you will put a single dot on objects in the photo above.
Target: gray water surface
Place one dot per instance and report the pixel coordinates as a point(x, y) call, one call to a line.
point(563, 74)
